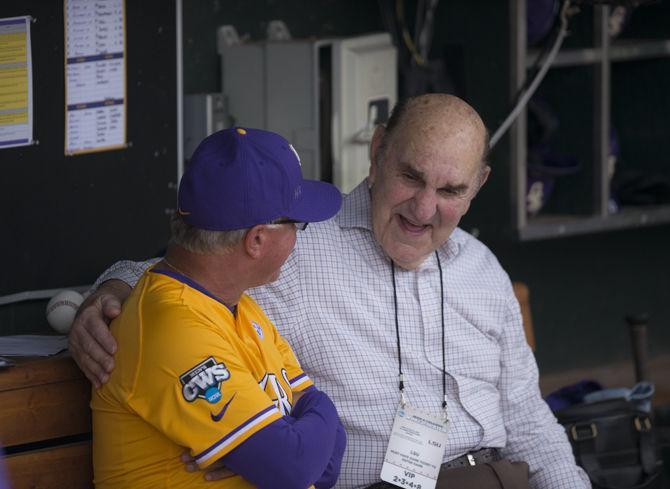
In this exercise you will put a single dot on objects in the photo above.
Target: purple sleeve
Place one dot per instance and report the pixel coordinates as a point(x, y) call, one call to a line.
point(290, 453)
point(332, 472)
point(4, 481)
point(329, 477)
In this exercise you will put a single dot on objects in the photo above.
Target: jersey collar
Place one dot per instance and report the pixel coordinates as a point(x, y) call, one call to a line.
point(192, 284)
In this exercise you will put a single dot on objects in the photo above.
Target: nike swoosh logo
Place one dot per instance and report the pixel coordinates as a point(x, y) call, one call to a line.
point(217, 417)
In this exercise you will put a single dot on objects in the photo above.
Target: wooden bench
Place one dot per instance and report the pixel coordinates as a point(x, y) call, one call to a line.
point(45, 424)
point(523, 296)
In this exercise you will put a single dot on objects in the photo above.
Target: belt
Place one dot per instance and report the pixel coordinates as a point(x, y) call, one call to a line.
point(472, 458)
point(468, 460)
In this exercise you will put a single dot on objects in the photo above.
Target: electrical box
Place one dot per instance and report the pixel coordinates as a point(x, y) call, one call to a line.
point(324, 96)
point(365, 91)
point(204, 113)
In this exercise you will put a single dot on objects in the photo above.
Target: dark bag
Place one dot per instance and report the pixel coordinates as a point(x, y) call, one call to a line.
point(613, 441)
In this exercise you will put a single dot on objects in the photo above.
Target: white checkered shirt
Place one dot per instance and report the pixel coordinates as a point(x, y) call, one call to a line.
point(334, 304)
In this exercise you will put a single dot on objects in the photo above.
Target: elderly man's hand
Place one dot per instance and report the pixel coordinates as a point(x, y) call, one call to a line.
point(214, 472)
point(90, 342)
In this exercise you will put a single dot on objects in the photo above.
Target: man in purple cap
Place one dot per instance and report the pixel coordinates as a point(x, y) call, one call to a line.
point(201, 367)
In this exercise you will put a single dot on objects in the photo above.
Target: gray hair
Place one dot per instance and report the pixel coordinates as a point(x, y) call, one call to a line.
point(202, 240)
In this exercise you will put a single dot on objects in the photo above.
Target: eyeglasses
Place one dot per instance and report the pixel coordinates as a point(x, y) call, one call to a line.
point(298, 224)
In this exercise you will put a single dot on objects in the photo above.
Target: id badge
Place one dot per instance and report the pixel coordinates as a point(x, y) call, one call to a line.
point(416, 448)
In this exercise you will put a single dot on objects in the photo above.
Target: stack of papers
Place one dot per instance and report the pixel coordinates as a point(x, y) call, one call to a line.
point(28, 345)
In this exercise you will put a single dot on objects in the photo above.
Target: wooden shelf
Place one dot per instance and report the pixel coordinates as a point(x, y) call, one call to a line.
point(625, 50)
point(598, 99)
point(569, 57)
point(631, 50)
point(553, 226)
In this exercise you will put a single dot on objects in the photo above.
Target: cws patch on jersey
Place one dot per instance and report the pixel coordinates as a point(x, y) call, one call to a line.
point(204, 381)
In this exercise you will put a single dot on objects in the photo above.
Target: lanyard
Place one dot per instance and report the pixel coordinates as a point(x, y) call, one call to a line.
point(401, 383)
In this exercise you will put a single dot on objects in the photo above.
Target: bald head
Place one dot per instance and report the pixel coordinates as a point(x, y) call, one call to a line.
point(436, 116)
point(427, 166)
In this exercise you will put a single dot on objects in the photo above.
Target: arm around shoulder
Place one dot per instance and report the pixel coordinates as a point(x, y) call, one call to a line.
point(126, 271)
point(91, 344)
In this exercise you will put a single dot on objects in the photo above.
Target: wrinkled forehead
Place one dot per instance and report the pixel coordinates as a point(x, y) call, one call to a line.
point(431, 126)
point(445, 121)
point(438, 141)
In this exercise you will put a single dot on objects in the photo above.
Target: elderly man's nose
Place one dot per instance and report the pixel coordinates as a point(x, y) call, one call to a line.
point(424, 205)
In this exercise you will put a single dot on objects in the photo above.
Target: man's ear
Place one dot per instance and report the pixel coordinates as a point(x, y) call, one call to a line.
point(484, 176)
point(374, 151)
point(255, 241)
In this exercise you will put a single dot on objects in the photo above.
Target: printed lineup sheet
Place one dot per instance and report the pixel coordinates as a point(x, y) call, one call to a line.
point(16, 83)
point(95, 81)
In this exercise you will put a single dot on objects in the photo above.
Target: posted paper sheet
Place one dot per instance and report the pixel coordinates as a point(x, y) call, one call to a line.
point(95, 82)
point(16, 83)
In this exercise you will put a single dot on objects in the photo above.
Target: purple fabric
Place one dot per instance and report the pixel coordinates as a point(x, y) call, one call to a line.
point(4, 480)
point(571, 394)
point(330, 475)
point(239, 178)
point(540, 15)
point(295, 451)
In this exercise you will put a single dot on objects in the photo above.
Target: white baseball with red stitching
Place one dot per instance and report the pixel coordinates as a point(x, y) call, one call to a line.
point(61, 310)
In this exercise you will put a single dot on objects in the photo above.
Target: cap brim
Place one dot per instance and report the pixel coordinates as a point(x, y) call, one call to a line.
point(319, 201)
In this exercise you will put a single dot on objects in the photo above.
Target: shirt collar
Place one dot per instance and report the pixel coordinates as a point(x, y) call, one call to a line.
point(356, 213)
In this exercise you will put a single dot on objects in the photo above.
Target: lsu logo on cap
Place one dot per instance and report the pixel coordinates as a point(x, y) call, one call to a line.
point(204, 381)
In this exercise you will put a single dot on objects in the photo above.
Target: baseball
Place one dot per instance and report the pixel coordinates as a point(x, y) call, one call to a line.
point(61, 310)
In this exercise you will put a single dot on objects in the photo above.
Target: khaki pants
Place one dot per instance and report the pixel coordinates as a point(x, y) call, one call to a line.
point(500, 474)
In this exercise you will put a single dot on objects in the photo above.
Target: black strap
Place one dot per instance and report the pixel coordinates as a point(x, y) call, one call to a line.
point(586, 455)
point(401, 381)
point(647, 448)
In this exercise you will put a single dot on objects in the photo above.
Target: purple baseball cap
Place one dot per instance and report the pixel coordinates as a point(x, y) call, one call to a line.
point(239, 178)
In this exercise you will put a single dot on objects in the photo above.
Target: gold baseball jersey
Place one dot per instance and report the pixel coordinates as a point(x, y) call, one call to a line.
point(190, 376)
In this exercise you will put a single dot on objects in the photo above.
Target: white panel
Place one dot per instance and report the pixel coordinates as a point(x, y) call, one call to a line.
point(364, 72)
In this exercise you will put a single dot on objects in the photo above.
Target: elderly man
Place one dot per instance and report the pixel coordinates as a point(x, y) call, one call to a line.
point(200, 366)
point(390, 306)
